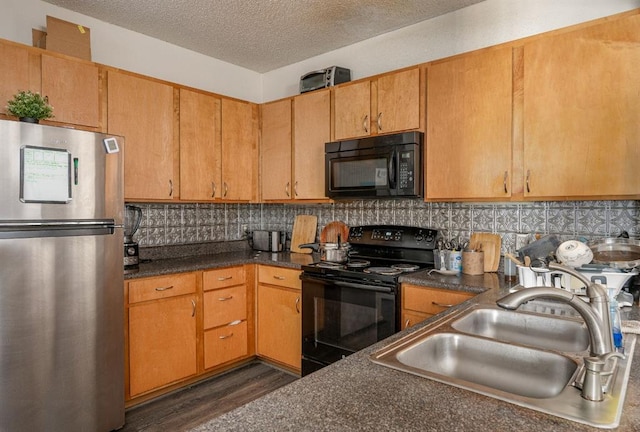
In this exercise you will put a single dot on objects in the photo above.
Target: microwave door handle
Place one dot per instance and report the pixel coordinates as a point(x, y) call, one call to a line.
point(392, 171)
point(313, 73)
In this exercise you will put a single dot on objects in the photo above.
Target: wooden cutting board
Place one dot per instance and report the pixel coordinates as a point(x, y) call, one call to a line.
point(304, 231)
point(490, 244)
point(329, 233)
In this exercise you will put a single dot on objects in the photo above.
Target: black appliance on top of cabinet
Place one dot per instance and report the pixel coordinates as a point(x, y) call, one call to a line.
point(347, 307)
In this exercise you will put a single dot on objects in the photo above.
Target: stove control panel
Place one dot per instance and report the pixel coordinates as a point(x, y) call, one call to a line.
point(394, 236)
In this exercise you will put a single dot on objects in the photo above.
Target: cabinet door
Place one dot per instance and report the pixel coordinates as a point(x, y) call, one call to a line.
point(469, 118)
point(73, 90)
point(200, 177)
point(312, 129)
point(275, 151)
point(239, 143)
point(141, 110)
point(398, 101)
point(14, 69)
point(162, 343)
point(279, 325)
point(581, 105)
point(352, 108)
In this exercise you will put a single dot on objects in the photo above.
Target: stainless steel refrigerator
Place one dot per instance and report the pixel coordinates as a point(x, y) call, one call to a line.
point(61, 279)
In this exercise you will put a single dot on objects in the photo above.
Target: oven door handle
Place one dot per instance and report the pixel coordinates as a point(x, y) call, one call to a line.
point(392, 170)
point(381, 289)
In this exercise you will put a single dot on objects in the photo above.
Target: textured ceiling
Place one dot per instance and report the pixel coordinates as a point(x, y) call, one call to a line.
point(262, 35)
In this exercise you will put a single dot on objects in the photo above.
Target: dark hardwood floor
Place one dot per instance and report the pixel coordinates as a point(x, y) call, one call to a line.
point(193, 406)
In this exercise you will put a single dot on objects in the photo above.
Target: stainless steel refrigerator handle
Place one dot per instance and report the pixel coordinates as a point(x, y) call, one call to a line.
point(56, 228)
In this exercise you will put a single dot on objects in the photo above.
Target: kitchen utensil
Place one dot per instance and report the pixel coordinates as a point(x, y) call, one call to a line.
point(490, 244)
point(515, 260)
point(330, 232)
point(331, 252)
point(132, 219)
point(473, 262)
point(616, 252)
point(574, 253)
point(540, 248)
point(304, 231)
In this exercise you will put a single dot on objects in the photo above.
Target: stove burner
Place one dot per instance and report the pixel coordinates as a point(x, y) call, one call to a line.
point(358, 263)
point(387, 271)
point(329, 265)
point(405, 267)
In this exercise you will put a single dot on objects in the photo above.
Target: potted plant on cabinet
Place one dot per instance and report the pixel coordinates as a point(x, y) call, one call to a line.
point(29, 107)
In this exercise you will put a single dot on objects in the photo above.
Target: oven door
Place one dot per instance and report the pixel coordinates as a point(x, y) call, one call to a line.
point(340, 318)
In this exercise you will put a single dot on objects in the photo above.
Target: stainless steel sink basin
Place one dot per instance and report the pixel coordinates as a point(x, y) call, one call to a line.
point(509, 368)
point(529, 359)
point(533, 329)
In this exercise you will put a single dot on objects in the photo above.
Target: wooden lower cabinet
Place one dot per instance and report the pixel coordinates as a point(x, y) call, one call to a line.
point(226, 332)
point(162, 342)
point(420, 303)
point(279, 316)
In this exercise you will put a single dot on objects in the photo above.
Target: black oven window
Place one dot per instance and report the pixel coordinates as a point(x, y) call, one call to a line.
point(359, 173)
point(352, 322)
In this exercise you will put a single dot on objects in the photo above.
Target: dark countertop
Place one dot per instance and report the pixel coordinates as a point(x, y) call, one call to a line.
point(355, 394)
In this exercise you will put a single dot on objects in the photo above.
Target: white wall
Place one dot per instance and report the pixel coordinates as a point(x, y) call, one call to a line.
point(483, 24)
point(124, 49)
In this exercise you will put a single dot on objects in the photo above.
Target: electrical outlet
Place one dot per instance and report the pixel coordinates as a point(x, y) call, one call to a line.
point(244, 231)
point(521, 241)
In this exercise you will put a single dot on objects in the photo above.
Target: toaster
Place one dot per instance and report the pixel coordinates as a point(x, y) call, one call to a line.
point(269, 241)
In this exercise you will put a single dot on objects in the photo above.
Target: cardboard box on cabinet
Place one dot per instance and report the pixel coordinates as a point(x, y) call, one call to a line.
point(64, 37)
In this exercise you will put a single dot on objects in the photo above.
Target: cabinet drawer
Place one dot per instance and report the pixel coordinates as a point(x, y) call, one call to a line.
point(161, 287)
point(224, 344)
point(431, 300)
point(280, 276)
point(225, 277)
point(225, 305)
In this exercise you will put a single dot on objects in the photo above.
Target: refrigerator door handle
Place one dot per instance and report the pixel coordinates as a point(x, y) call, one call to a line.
point(56, 228)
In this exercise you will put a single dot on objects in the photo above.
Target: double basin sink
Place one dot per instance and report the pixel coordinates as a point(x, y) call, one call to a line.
point(526, 358)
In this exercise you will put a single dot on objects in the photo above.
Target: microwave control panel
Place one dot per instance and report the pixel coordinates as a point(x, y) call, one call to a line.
point(406, 165)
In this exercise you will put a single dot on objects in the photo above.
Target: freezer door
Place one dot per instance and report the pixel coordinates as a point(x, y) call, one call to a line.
point(62, 333)
point(55, 173)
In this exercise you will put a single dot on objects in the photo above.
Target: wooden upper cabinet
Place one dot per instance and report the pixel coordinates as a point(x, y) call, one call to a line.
point(72, 87)
point(312, 129)
point(14, 69)
point(386, 104)
point(239, 147)
point(275, 151)
point(469, 122)
point(352, 110)
point(581, 105)
point(398, 102)
point(200, 148)
point(142, 111)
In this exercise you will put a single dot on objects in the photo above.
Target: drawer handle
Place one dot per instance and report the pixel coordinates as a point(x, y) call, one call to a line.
point(441, 304)
point(225, 336)
point(224, 278)
point(279, 277)
point(193, 311)
point(164, 288)
point(225, 298)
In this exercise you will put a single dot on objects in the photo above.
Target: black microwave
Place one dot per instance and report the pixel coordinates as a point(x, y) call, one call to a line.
point(382, 166)
point(322, 78)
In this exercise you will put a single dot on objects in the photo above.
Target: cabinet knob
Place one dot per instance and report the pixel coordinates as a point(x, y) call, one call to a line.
point(226, 189)
point(379, 121)
point(298, 304)
point(213, 189)
point(193, 310)
point(170, 187)
point(527, 181)
point(286, 189)
point(295, 188)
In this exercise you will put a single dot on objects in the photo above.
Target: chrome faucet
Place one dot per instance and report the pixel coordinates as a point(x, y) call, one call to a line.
point(595, 313)
point(596, 317)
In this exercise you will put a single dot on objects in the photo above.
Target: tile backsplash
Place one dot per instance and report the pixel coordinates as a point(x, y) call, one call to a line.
point(174, 224)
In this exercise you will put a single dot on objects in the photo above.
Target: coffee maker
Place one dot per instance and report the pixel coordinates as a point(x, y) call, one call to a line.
point(132, 219)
